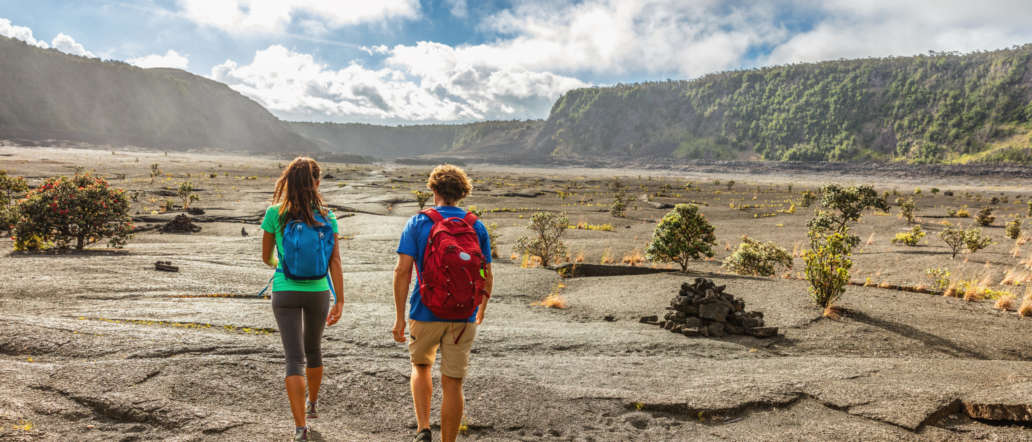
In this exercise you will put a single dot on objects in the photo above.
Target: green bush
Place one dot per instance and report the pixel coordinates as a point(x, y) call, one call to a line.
point(755, 258)
point(80, 211)
point(682, 235)
point(974, 240)
point(422, 197)
point(939, 277)
point(906, 209)
point(911, 238)
point(1014, 229)
point(985, 217)
point(186, 193)
point(827, 267)
point(10, 187)
point(808, 198)
point(546, 241)
point(619, 206)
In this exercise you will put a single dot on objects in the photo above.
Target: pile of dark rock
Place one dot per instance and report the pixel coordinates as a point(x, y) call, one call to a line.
point(702, 308)
point(181, 224)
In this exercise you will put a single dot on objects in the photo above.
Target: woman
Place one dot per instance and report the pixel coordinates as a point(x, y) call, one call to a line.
point(301, 307)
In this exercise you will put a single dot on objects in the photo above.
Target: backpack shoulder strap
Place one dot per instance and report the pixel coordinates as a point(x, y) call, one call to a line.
point(470, 218)
point(434, 215)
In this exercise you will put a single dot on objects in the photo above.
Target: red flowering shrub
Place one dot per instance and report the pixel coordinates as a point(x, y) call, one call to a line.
point(66, 211)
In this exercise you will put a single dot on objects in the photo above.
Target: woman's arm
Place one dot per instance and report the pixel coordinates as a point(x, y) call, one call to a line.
point(337, 278)
point(268, 245)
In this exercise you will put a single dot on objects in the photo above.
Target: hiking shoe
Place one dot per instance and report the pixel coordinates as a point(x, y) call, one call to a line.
point(423, 436)
point(310, 412)
point(301, 434)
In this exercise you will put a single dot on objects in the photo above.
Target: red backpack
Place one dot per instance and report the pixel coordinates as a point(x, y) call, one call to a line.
point(451, 283)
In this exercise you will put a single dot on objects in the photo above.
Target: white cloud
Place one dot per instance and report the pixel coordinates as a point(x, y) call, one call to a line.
point(276, 16)
point(295, 85)
point(850, 29)
point(171, 59)
point(458, 8)
point(20, 32)
point(68, 45)
point(377, 49)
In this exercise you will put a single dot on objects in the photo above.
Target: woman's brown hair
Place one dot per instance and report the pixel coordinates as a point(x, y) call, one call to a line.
point(297, 192)
point(450, 183)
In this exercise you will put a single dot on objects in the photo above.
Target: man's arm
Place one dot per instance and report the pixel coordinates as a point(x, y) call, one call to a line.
point(402, 279)
point(488, 286)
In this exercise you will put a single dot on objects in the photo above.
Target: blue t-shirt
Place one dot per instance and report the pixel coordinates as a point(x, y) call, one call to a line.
point(413, 243)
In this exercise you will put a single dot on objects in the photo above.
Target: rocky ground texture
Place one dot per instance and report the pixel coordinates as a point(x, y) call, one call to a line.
point(99, 345)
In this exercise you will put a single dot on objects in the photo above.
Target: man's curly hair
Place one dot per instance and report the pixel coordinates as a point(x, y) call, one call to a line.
point(450, 183)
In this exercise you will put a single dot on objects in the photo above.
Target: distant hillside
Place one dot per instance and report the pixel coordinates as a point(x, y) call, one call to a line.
point(489, 140)
point(48, 95)
point(935, 108)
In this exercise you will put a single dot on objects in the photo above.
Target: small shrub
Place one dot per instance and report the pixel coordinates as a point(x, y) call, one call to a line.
point(80, 211)
point(906, 209)
point(940, 278)
point(730, 184)
point(422, 197)
point(1029, 213)
point(546, 240)
point(959, 213)
point(911, 238)
point(827, 268)
point(755, 258)
point(974, 240)
point(1014, 229)
point(985, 217)
point(808, 198)
point(954, 239)
point(186, 193)
point(935, 190)
point(682, 235)
point(155, 171)
point(10, 187)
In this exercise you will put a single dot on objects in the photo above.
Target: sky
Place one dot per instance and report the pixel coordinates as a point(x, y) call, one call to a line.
point(451, 61)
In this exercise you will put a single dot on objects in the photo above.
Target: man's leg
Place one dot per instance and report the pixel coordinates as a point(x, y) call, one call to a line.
point(452, 403)
point(422, 383)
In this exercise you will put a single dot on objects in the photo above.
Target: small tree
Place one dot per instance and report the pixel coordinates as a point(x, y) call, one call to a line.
point(155, 171)
point(422, 197)
point(827, 267)
point(848, 204)
point(546, 241)
point(619, 205)
point(906, 209)
point(1014, 229)
point(80, 210)
point(186, 193)
point(954, 239)
point(682, 235)
point(985, 217)
point(755, 258)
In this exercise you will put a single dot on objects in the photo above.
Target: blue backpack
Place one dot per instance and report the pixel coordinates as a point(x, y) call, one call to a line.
point(306, 250)
point(306, 253)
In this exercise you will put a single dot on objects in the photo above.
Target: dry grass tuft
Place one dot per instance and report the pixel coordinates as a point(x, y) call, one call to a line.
point(554, 299)
point(635, 258)
point(870, 240)
point(607, 256)
point(1026, 304)
point(580, 257)
point(1006, 302)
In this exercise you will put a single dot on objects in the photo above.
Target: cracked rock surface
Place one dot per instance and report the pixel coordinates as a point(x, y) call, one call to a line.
point(99, 346)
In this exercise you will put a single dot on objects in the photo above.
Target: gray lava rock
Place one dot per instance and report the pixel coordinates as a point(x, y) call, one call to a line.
point(714, 311)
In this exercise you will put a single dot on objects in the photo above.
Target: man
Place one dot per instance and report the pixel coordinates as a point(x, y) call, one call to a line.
point(428, 331)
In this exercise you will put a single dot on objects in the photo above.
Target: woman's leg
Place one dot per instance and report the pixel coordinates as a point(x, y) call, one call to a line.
point(288, 319)
point(316, 307)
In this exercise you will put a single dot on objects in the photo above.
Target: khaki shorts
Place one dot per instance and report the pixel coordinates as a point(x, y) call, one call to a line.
point(426, 337)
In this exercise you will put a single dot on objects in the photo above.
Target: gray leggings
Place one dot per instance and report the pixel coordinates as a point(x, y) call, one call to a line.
point(301, 317)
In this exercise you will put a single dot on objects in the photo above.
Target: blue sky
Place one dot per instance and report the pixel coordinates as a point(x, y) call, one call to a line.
point(423, 61)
